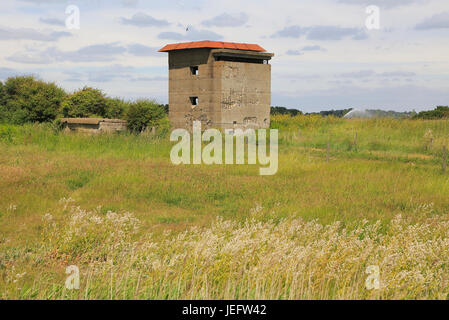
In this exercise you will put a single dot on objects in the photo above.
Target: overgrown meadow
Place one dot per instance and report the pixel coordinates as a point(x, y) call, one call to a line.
point(349, 194)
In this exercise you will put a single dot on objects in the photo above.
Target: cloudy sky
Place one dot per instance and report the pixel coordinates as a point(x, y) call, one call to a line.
point(325, 56)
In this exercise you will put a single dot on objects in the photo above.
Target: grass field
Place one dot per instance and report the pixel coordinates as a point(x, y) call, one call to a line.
point(139, 227)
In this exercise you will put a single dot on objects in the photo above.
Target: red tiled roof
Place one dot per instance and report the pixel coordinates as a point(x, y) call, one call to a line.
point(213, 45)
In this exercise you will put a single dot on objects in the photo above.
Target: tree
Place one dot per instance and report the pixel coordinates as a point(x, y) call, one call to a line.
point(165, 107)
point(85, 103)
point(2, 104)
point(283, 110)
point(144, 113)
point(26, 99)
point(2, 94)
point(116, 108)
point(439, 112)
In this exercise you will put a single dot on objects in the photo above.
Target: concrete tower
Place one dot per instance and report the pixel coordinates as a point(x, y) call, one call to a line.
point(223, 85)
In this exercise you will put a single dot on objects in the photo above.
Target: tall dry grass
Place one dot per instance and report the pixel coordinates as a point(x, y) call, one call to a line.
point(394, 168)
point(290, 259)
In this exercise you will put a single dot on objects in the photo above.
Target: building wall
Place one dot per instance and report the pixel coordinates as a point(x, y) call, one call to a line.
point(230, 94)
point(183, 85)
point(113, 126)
point(245, 94)
point(80, 127)
point(101, 127)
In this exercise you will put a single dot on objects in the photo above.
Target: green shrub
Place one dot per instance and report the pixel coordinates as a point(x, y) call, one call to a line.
point(439, 113)
point(144, 113)
point(2, 94)
point(163, 127)
point(165, 107)
point(6, 133)
point(56, 126)
point(25, 99)
point(85, 103)
point(116, 108)
point(283, 110)
point(2, 104)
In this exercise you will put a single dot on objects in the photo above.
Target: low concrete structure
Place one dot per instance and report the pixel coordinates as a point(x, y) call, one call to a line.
point(224, 85)
point(94, 125)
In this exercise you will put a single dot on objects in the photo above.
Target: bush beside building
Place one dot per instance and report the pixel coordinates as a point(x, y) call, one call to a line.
point(25, 99)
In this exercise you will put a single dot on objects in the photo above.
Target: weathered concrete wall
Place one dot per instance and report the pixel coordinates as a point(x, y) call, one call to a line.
point(183, 85)
point(79, 127)
point(94, 125)
point(230, 94)
point(112, 126)
point(245, 94)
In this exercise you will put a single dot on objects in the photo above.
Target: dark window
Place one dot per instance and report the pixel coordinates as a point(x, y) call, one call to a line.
point(194, 101)
point(237, 59)
point(194, 70)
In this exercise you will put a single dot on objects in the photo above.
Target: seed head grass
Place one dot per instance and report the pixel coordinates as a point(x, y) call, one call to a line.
point(138, 227)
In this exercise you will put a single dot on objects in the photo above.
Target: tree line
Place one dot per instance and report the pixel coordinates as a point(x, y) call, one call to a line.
point(294, 112)
point(25, 99)
point(440, 112)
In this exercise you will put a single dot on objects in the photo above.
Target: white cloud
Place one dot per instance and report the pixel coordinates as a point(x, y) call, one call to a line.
point(294, 53)
point(92, 53)
point(438, 21)
point(227, 20)
point(190, 35)
point(130, 3)
point(53, 21)
point(397, 74)
point(313, 41)
point(384, 3)
point(149, 79)
point(31, 34)
point(42, 1)
point(306, 48)
point(7, 72)
point(357, 74)
point(290, 32)
point(141, 50)
point(347, 95)
point(321, 33)
point(313, 48)
point(141, 19)
point(110, 73)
